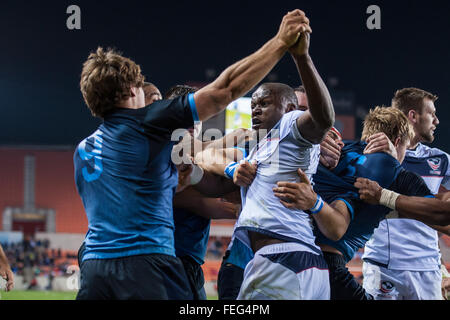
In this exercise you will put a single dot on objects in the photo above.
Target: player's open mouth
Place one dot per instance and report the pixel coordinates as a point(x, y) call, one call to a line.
point(256, 122)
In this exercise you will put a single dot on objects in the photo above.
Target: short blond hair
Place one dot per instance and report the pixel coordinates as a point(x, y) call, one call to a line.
point(389, 120)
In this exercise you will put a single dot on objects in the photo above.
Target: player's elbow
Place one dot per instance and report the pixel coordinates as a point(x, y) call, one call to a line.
point(326, 123)
point(335, 235)
point(337, 232)
point(320, 134)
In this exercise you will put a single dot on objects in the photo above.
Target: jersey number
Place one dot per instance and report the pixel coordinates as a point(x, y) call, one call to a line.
point(95, 153)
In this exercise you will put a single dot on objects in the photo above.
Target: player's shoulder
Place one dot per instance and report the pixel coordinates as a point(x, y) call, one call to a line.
point(423, 151)
point(288, 118)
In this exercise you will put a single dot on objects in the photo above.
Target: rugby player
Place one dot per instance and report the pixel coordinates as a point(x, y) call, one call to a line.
point(192, 215)
point(286, 260)
point(270, 102)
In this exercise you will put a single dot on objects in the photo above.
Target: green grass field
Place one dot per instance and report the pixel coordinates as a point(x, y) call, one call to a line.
point(45, 295)
point(37, 295)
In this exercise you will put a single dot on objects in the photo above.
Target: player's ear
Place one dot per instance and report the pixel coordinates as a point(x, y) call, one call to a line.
point(412, 115)
point(397, 141)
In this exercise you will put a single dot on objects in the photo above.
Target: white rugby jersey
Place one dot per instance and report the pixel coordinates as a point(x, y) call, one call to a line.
point(406, 244)
point(278, 155)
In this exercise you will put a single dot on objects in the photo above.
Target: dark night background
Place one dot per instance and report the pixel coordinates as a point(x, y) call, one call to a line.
point(176, 42)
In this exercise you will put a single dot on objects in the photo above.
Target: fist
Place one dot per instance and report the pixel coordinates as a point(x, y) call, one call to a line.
point(293, 23)
point(244, 174)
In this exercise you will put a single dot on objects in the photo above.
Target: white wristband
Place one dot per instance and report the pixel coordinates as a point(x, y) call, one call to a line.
point(388, 198)
point(196, 174)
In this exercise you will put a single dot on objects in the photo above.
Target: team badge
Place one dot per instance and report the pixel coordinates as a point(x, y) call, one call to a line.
point(434, 164)
point(386, 286)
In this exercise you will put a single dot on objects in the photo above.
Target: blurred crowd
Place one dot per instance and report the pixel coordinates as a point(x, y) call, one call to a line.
point(31, 258)
point(216, 247)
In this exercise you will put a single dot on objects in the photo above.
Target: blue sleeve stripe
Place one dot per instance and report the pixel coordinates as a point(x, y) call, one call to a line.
point(193, 107)
point(229, 170)
point(349, 206)
point(429, 196)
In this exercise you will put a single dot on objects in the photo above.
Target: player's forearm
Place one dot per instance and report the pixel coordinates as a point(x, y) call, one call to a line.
point(238, 79)
point(216, 160)
point(237, 138)
point(217, 209)
point(245, 74)
point(442, 229)
point(209, 208)
point(319, 99)
point(427, 210)
point(215, 186)
point(331, 223)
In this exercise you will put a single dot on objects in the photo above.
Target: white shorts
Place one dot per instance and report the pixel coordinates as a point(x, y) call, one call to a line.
point(286, 271)
point(386, 284)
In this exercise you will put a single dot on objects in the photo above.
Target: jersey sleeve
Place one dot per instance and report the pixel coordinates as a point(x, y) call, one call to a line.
point(298, 136)
point(446, 181)
point(349, 202)
point(165, 116)
point(409, 183)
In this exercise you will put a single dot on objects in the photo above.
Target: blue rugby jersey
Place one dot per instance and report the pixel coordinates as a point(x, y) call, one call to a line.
point(191, 234)
point(338, 184)
point(126, 179)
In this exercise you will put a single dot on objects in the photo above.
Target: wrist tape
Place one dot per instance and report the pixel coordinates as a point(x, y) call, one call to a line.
point(388, 198)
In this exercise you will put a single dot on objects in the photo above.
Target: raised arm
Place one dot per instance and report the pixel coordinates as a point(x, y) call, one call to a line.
point(242, 76)
point(316, 122)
